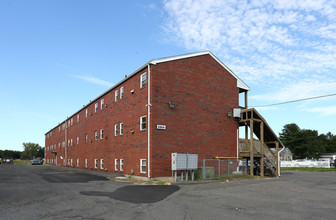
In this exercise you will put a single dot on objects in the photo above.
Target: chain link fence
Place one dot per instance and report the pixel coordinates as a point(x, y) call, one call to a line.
point(217, 168)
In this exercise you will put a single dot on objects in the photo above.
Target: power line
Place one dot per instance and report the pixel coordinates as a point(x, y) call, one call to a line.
point(297, 100)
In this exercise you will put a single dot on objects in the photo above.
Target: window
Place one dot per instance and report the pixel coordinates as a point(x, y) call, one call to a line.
point(101, 163)
point(121, 165)
point(71, 162)
point(102, 104)
point(96, 135)
point(68, 143)
point(121, 92)
point(59, 129)
point(77, 162)
point(85, 163)
point(86, 111)
point(115, 164)
point(143, 165)
point(96, 107)
point(96, 163)
point(71, 121)
point(143, 123)
point(77, 140)
point(143, 80)
point(116, 130)
point(121, 128)
point(116, 95)
point(71, 142)
point(59, 145)
point(77, 118)
point(86, 137)
point(68, 162)
point(101, 133)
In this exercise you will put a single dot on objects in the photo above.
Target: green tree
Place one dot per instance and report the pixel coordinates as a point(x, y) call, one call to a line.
point(31, 150)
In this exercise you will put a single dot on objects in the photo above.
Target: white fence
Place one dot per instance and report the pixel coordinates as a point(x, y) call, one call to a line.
point(305, 163)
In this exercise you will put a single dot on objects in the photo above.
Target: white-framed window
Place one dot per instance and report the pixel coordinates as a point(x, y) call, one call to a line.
point(102, 104)
point(96, 107)
point(121, 164)
point(115, 129)
point(71, 162)
point(143, 123)
point(96, 135)
point(71, 142)
point(143, 165)
point(77, 140)
point(96, 163)
point(115, 164)
point(77, 118)
point(68, 162)
point(86, 138)
point(101, 133)
point(121, 128)
point(101, 163)
point(71, 121)
point(68, 143)
point(77, 162)
point(121, 92)
point(59, 129)
point(59, 145)
point(143, 80)
point(85, 162)
point(116, 95)
point(86, 112)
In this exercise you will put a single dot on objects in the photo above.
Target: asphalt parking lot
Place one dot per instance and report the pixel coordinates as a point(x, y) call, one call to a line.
point(47, 192)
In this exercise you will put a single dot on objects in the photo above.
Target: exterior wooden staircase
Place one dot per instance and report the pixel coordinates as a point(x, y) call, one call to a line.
point(256, 147)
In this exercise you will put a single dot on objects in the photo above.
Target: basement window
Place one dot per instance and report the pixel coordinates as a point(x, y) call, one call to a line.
point(121, 165)
point(143, 165)
point(85, 163)
point(71, 162)
point(96, 163)
point(77, 162)
point(143, 80)
point(143, 123)
point(115, 164)
point(101, 163)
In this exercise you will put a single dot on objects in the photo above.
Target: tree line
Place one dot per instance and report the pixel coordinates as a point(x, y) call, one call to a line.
point(306, 143)
point(30, 150)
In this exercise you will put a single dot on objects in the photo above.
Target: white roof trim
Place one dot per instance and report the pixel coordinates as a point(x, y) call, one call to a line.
point(240, 83)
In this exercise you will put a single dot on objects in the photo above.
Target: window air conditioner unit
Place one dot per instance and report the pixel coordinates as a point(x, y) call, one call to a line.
point(236, 112)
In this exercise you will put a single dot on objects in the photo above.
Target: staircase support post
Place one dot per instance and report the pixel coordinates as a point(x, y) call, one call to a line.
point(262, 149)
point(251, 148)
point(277, 158)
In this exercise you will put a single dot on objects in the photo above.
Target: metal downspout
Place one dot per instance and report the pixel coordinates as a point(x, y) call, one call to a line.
point(149, 125)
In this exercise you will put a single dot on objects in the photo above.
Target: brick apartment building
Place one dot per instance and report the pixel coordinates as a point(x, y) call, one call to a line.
point(176, 104)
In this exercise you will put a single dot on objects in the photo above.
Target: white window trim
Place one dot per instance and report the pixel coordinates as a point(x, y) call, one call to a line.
point(102, 104)
point(116, 130)
point(116, 95)
point(71, 162)
point(101, 164)
point(101, 133)
point(96, 107)
point(77, 140)
point(96, 163)
point(144, 116)
point(145, 73)
point(121, 128)
point(96, 135)
point(86, 138)
point(141, 165)
point(121, 164)
point(86, 113)
point(77, 162)
point(121, 92)
point(86, 162)
point(115, 164)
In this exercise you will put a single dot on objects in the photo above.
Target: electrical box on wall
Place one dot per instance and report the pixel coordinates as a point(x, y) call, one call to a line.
point(184, 161)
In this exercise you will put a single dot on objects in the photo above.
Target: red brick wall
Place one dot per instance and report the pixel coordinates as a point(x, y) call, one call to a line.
point(203, 93)
point(131, 147)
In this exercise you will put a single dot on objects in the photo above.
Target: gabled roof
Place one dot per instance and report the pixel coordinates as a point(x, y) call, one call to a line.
point(240, 83)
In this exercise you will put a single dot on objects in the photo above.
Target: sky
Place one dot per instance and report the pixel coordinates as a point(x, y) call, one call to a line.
point(57, 55)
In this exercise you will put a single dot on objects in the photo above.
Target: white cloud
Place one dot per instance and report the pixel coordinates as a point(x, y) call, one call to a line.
point(324, 111)
point(94, 80)
point(265, 40)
